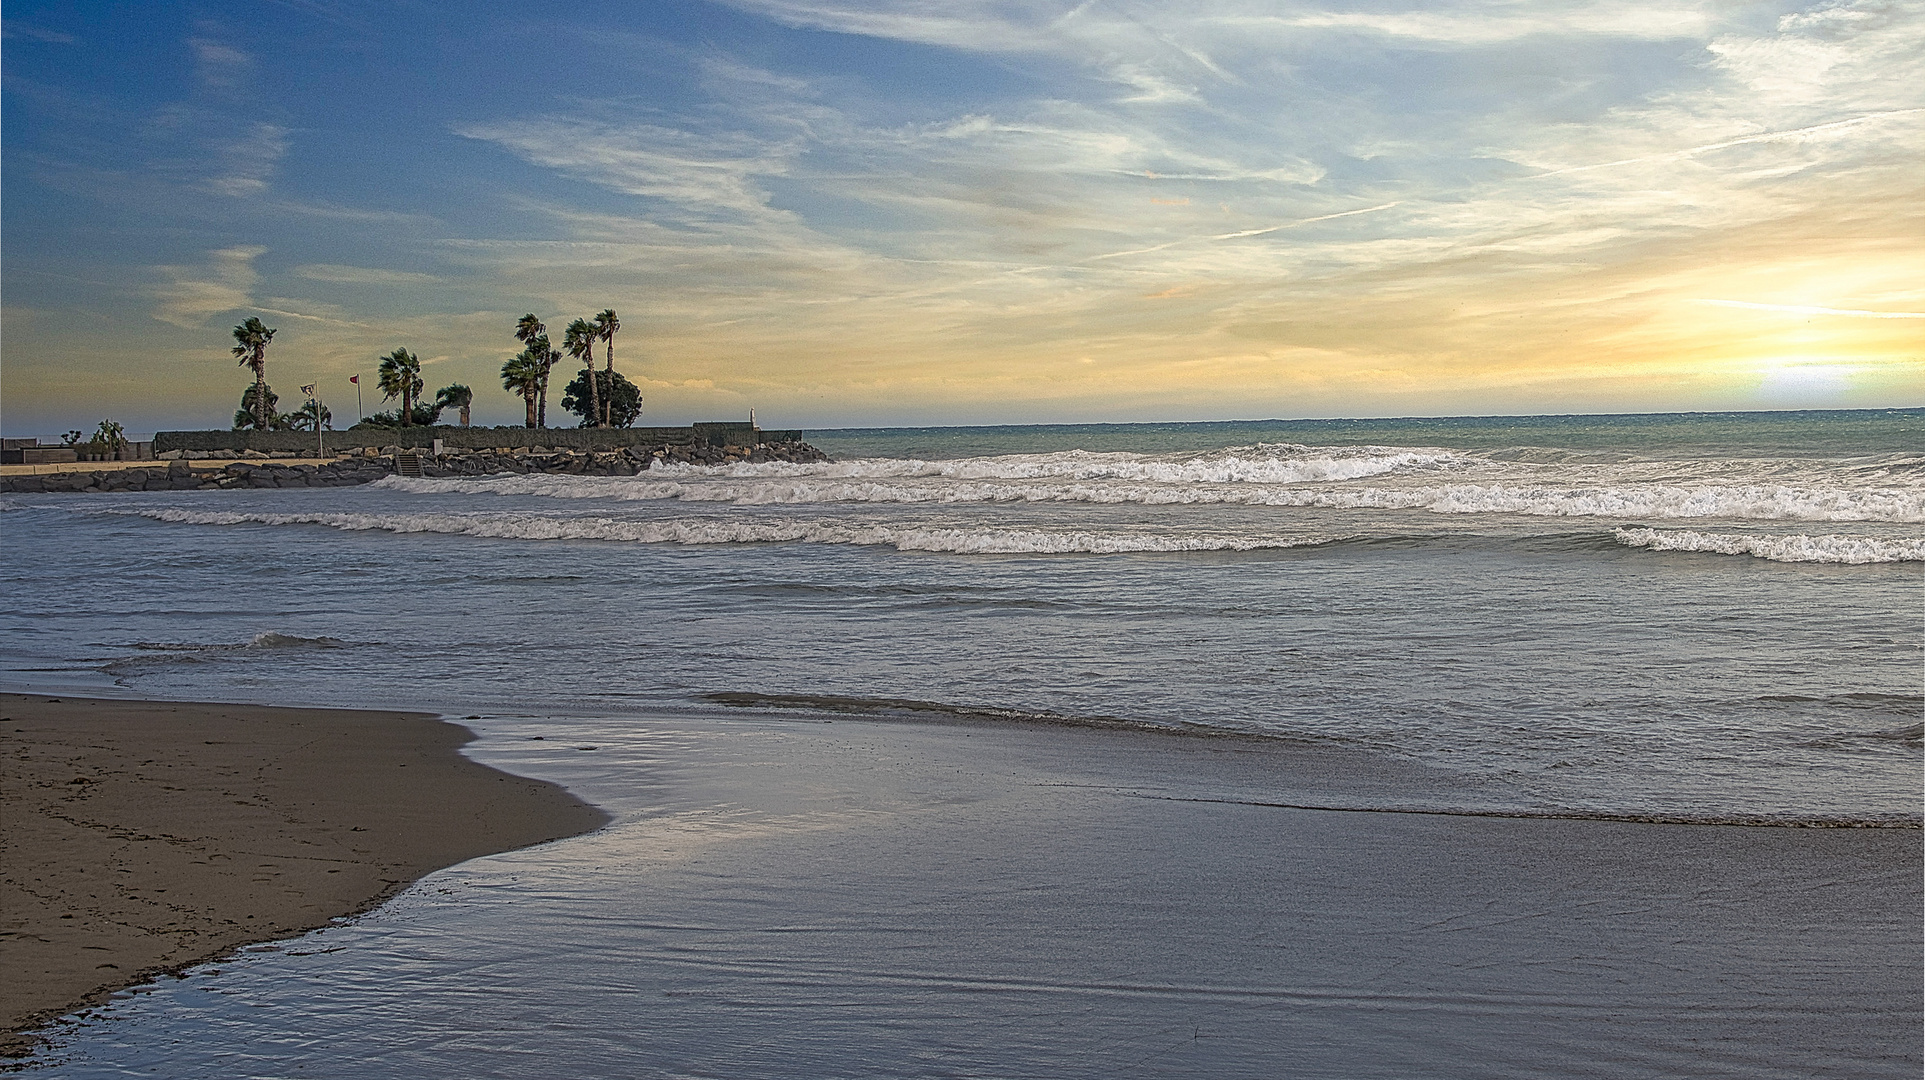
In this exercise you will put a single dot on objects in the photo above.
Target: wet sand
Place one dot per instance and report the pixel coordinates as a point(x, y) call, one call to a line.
point(143, 837)
point(788, 897)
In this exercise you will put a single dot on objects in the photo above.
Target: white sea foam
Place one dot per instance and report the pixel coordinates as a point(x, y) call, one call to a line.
point(1820, 549)
point(1263, 464)
point(973, 541)
point(1764, 502)
point(1364, 477)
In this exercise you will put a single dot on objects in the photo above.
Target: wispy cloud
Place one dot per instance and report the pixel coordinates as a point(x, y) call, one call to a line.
point(1220, 174)
point(1482, 24)
point(362, 275)
point(698, 173)
point(250, 161)
point(1048, 205)
point(1809, 309)
point(1836, 127)
point(1244, 233)
point(220, 66)
point(192, 295)
point(14, 28)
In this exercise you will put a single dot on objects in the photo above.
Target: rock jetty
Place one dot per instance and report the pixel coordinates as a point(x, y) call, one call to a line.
point(190, 470)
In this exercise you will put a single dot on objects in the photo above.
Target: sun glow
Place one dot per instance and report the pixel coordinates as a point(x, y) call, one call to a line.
point(1800, 381)
point(1812, 309)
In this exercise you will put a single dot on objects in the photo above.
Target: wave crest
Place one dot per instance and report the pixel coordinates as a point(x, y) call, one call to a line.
point(1856, 550)
point(697, 531)
point(1764, 502)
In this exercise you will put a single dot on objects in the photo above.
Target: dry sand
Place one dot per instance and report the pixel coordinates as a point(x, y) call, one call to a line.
point(143, 837)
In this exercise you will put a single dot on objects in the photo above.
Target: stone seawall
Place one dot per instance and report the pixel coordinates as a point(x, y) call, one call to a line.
point(181, 474)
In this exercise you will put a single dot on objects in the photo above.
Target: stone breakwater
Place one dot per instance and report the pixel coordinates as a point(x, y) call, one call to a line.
point(624, 462)
point(257, 471)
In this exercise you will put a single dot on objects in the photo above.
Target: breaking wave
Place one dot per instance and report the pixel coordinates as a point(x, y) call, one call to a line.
point(1819, 549)
point(1763, 502)
point(971, 541)
point(1280, 463)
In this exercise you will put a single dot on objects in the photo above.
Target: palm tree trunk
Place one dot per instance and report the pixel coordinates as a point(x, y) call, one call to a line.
point(528, 399)
point(594, 389)
point(260, 396)
point(608, 407)
point(541, 413)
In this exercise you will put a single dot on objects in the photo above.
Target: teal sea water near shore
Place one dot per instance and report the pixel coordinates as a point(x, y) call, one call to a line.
point(1228, 633)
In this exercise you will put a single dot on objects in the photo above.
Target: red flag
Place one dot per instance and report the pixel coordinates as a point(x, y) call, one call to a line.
point(355, 379)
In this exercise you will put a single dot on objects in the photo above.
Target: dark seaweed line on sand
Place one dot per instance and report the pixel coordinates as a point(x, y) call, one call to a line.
point(939, 712)
point(1750, 821)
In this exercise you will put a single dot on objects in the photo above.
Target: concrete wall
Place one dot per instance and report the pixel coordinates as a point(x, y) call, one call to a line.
point(725, 434)
point(30, 452)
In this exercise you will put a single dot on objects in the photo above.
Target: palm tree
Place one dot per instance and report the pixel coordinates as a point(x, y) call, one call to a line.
point(549, 356)
point(310, 417)
point(525, 374)
point(249, 416)
point(530, 332)
point(605, 326)
point(454, 396)
point(250, 344)
point(401, 377)
point(579, 341)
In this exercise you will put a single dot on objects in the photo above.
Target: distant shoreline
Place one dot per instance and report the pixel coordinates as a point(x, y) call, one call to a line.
point(260, 470)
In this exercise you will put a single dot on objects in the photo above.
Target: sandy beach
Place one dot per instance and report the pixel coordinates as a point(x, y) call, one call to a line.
point(875, 898)
point(778, 897)
point(143, 837)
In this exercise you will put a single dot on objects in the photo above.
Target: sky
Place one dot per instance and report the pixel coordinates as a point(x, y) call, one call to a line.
point(907, 212)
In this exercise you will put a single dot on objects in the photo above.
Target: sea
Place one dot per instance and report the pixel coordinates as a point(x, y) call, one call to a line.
point(1694, 620)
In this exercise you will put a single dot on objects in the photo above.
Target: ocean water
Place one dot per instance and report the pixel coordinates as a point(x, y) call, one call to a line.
point(1677, 617)
point(1699, 620)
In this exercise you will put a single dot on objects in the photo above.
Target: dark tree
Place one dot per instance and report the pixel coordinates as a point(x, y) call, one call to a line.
point(425, 414)
point(606, 324)
point(530, 332)
point(578, 341)
point(255, 414)
point(400, 377)
point(622, 399)
point(525, 375)
point(454, 396)
point(309, 417)
point(251, 339)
